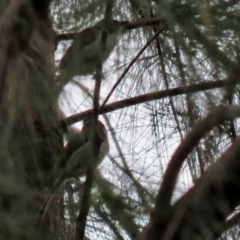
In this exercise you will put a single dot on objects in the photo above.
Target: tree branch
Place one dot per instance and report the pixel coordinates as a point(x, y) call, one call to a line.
point(207, 192)
point(195, 88)
point(126, 25)
point(131, 64)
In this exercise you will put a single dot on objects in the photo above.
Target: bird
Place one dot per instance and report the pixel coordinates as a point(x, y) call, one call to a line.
point(85, 150)
point(85, 52)
point(78, 156)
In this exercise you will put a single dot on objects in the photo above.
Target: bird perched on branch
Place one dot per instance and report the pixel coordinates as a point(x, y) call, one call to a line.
point(85, 150)
point(85, 53)
point(78, 155)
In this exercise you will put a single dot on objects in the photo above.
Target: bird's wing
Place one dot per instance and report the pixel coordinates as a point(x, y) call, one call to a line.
point(75, 142)
point(84, 158)
point(79, 161)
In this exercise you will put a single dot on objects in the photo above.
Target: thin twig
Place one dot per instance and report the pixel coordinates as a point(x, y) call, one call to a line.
point(131, 64)
point(84, 207)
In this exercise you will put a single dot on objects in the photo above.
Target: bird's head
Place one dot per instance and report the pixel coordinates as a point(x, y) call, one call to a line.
point(97, 130)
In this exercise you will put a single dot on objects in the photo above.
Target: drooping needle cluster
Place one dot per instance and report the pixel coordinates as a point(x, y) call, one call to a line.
point(85, 52)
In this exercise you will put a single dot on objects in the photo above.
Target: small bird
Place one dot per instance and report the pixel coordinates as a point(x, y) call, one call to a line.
point(85, 150)
point(82, 57)
point(78, 155)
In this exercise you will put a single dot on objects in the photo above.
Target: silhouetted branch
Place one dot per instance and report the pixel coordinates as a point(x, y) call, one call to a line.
point(145, 98)
point(217, 183)
point(127, 26)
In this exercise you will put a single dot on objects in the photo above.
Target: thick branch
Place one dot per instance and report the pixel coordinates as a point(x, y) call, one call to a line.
point(214, 196)
point(127, 26)
point(187, 145)
point(145, 98)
